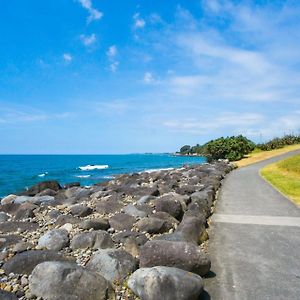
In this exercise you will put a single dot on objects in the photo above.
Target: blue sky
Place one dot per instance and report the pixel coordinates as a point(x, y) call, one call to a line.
point(108, 76)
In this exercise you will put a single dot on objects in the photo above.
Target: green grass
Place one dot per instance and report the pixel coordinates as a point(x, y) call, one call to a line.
point(285, 176)
point(291, 164)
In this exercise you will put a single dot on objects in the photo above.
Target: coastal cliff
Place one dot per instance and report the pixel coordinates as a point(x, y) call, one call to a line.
point(140, 235)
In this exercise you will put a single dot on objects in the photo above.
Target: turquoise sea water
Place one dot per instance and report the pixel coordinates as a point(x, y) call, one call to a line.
point(20, 171)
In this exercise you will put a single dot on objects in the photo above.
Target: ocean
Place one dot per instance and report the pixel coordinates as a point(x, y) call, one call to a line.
point(17, 172)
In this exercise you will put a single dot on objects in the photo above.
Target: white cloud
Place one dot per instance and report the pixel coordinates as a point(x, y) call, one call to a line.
point(111, 54)
point(212, 5)
point(112, 107)
point(67, 57)
point(94, 14)
point(207, 125)
point(138, 21)
point(12, 116)
point(253, 59)
point(148, 77)
point(112, 51)
point(88, 40)
point(114, 66)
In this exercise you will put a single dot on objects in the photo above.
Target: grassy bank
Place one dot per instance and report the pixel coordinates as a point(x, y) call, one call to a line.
point(259, 155)
point(285, 176)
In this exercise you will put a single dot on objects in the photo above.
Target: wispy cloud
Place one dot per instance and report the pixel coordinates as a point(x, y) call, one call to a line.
point(13, 116)
point(94, 14)
point(210, 124)
point(111, 107)
point(112, 51)
point(139, 22)
point(148, 77)
point(111, 54)
point(88, 40)
point(257, 126)
point(67, 57)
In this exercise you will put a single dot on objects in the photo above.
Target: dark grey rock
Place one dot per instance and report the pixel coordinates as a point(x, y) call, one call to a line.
point(145, 199)
point(201, 202)
point(63, 219)
point(80, 210)
point(103, 240)
point(12, 226)
point(9, 240)
point(108, 206)
point(71, 184)
point(51, 184)
point(25, 211)
point(131, 246)
point(122, 237)
point(113, 264)
point(34, 199)
point(55, 239)
point(67, 281)
point(171, 222)
point(165, 283)
point(3, 216)
point(9, 208)
point(96, 239)
point(54, 214)
point(141, 210)
point(25, 262)
point(83, 240)
point(97, 224)
point(171, 204)
point(152, 225)
point(191, 228)
point(188, 189)
point(182, 255)
point(7, 296)
point(22, 246)
point(121, 221)
point(47, 192)
point(77, 192)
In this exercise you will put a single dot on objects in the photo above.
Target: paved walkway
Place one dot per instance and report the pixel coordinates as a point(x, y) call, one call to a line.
point(254, 240)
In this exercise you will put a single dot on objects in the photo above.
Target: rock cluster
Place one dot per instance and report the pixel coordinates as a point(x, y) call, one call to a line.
point(138, 236)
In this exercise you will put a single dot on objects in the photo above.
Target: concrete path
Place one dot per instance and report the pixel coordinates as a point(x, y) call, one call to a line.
point(254, 240)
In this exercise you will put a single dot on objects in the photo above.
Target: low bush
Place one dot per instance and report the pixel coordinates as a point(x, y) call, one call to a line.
point(277, 143)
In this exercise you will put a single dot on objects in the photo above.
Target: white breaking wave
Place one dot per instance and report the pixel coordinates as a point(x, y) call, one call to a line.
point(108, 177)
point(157, 170)
point(82, 176)
point(93, 167)
point(43, 174)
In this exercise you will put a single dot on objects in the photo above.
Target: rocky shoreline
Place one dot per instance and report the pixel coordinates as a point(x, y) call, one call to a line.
point(139, 236)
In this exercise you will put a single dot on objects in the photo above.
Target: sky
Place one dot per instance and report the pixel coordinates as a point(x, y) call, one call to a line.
point(115, 76)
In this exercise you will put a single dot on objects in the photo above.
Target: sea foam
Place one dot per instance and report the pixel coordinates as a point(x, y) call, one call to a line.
point(43, 174)
point(157, 170)
point(93, 167)
point(82, 176)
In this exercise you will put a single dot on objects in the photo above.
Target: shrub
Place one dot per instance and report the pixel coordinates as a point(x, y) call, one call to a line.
point(231, 148)
point(277, 143)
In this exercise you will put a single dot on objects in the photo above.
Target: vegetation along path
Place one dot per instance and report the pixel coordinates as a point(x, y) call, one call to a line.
point(255, 239)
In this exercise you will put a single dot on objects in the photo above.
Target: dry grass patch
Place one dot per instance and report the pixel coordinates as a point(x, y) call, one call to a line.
point(258, 155)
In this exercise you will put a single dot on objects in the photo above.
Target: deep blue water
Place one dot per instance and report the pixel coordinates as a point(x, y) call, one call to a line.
point(20, 171)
